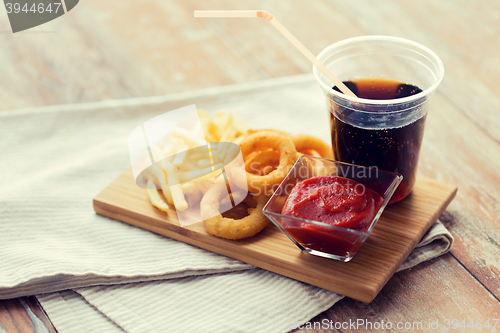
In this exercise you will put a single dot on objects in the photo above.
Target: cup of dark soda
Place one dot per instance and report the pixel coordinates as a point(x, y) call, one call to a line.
point(393, 79)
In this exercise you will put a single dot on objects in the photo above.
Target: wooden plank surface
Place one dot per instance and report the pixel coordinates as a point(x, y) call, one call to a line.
point(396, 234)
point(24, 315)
point(103, 50)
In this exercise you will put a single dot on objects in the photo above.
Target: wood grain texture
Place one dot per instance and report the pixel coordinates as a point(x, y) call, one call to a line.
point(461, 140)
point(396, 234)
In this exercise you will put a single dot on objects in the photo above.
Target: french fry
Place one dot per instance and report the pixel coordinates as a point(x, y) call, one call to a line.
point(221, 123)
point(239, 139)
point(188, 188)
point(223, 119)
point(147, 175)
point(197, 156)
point(229, 135)
point(241, 126)
point(204, 185)
point(167, 194)
point(204, 163)
point(157, 172)
point(231, 153)
point(188, 165)
point(180, 156)
point(159, 176)
point(154, 197)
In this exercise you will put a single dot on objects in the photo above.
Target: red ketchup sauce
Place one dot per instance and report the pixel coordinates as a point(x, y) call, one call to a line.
point(335, 201)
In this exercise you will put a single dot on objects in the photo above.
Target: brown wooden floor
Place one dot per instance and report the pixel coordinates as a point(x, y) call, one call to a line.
point(121, 49)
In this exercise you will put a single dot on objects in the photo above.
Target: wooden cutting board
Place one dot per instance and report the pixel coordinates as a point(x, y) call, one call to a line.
point(396, 234)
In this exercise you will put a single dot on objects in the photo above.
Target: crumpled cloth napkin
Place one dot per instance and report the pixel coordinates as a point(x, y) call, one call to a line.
point(54, 160)
point(253, 300)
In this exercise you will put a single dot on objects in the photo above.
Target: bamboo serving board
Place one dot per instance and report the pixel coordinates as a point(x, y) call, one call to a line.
point(396, 234)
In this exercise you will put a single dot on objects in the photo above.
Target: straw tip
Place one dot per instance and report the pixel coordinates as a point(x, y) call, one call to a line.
point(265, 14)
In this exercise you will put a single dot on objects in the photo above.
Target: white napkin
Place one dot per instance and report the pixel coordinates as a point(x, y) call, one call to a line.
point(53, 164)
point(56, 159)
point(249, 301)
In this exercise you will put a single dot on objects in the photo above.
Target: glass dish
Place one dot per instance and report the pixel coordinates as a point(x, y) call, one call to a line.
point(319, 238)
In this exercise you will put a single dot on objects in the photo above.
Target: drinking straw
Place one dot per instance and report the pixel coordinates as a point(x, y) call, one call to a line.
point(265, 14)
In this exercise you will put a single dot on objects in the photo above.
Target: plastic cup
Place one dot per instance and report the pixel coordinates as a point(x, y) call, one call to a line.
point(386, 134)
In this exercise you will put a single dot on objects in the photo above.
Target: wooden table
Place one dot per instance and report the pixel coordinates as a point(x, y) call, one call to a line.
point(121, 49)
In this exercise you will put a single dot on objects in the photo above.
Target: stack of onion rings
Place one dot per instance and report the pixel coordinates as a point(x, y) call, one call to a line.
point(269, 155)
point(265, 161)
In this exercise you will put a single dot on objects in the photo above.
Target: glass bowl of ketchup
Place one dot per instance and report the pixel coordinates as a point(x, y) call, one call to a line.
point(329, 208)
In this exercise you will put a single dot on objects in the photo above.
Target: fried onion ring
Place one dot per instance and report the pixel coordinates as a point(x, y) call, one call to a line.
point(304, 142)
point(228, 228)
point(263, 140)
